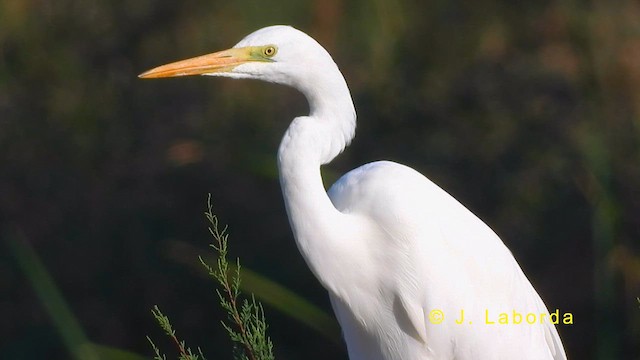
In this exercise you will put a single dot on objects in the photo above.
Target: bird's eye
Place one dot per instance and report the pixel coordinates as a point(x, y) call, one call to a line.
point(269, 51)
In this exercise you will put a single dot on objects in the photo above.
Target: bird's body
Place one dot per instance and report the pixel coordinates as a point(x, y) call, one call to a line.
point(389, 245)
point(469, 269)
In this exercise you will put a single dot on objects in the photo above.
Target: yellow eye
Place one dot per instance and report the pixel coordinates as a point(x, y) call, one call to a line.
point(269, 51)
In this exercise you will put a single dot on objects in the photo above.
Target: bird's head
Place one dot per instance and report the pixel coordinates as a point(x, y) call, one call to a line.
point(280, 54)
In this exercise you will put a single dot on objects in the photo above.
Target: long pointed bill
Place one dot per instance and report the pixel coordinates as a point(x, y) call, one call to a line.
point(217, 62)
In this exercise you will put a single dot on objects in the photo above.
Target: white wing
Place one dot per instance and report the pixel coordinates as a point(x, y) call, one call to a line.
point(428, 252)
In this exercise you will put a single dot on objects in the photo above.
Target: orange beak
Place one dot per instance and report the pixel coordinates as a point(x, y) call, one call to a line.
point(218, 62)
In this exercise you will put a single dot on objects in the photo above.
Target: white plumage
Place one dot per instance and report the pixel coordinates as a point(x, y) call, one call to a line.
point(389, 245)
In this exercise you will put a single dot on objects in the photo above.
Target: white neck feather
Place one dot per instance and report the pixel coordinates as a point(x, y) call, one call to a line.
point(310, 142)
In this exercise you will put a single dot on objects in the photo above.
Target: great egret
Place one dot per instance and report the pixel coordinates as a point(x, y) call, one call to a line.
point(411, 273)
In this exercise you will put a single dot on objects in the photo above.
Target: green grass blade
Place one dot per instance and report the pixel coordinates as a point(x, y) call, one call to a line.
point(63, 319)
point(61, 315)
point(268, 291)
point(289, 303)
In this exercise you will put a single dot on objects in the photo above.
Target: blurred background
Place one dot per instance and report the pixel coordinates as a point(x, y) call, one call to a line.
point(527, 112)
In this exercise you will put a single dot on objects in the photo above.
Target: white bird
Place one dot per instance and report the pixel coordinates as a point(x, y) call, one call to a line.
point(411, 273)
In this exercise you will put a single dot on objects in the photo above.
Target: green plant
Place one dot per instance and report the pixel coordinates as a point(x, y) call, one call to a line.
point(246, 324)
point(185, 352)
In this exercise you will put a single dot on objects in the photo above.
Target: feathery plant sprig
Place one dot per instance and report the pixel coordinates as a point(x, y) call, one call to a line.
point(246, 323)
point(185, 352)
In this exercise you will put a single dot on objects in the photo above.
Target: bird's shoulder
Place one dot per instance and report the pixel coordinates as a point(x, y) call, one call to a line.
point(398, 196)
point(379, 182)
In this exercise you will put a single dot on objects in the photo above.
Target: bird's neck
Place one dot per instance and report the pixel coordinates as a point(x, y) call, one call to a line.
point(331, 123)
point(309, 142)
